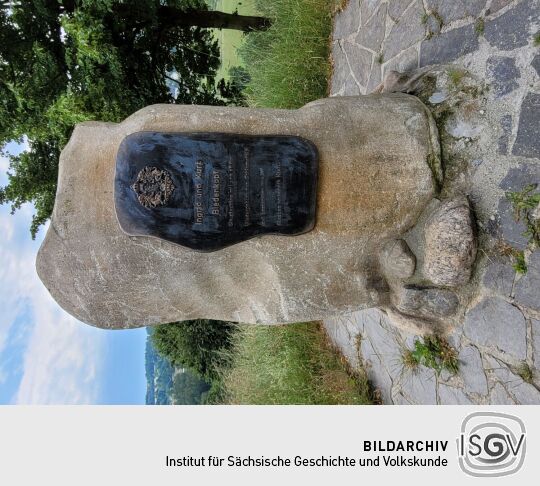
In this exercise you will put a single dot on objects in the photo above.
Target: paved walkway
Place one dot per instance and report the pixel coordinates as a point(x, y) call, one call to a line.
point(497, 136)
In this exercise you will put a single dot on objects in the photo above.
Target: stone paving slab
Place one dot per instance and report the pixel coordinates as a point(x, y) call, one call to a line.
point(499, 334)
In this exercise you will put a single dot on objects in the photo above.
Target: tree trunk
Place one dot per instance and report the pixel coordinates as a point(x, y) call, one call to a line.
point(171, 16)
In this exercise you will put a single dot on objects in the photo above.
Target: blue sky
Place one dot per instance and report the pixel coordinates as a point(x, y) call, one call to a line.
point(47, 356)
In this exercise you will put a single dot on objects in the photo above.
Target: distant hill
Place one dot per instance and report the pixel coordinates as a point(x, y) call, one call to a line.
point(166, 385)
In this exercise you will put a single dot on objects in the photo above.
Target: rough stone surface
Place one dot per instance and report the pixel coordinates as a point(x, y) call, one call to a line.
point(506, 126)
point(471, 369)
point(426, 302)
point(340, 76)
point(448, 46)
point(503, 73)
point(397, 260)
point(499, 396)
point(106, 278)
point(536, 64)
point(406, 61)
point(372, 34)
point(496, 323)
point(406, 32)
point(511, 231)
point(420, 386)
point(450, 244)
point(527, 288)
point(359, 60)
point(512, 29)
point(374, 78)
point(449, 394)
point(456, 9)
point(348, 20)
point(497, 5)
point(368, 8)
point(499, 278)
point(535, 324)
point(523, 393)
point(397, 7)
point(527, 143)
point(488, 168)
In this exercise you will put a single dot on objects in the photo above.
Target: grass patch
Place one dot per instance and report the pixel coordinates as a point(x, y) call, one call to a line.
point(290, 364)
point(479, 26)
point(524, 203)
point(456, 76)
point(525, 372)
point(289, 63)
point(433, 352)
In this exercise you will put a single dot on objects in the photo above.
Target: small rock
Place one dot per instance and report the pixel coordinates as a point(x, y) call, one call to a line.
point(506, 126)
point(495, 322)
point(452, 10)
point(511, 29)
point(503, 73)
point(450, 244)
point(527, 288)
point(407, 32)
point(397, 260)
point(527, 142)
point(426, 302)
point(499, 278)
point(448, 46)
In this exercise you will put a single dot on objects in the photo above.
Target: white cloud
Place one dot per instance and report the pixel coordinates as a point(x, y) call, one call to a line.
point(62, 360)
point(62, 357)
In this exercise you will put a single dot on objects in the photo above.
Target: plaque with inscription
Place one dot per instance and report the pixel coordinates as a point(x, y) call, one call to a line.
point(207, 191)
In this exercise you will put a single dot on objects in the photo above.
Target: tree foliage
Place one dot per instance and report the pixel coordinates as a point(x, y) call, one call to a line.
point(66, 61)
point(201, 345)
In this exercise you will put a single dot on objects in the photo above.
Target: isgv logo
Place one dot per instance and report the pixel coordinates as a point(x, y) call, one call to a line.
point(491, 444)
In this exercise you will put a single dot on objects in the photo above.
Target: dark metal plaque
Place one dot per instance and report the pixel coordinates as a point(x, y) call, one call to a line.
point(207, 191)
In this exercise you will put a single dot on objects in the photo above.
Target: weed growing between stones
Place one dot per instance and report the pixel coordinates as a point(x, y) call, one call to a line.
point(424, 18)
point(517, 256)
point(525, 372)
point(536, 39)
point(380, 58)
point(456, 76)
point(479, 26)
point(525, 202)
point(433, 352)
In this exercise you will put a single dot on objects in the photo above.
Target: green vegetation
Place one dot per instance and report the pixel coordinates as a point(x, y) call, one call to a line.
point(525, 372)
point(380, 58)
point(201, 345)
point(433, 352)
point(536, 39)
point(289, 63)
point(524, 203)
point(249, 364)
point(456, 76)
point(519, 265)
point(424, 18)
point(479, 26)
point(64, 62)
point(290, 364)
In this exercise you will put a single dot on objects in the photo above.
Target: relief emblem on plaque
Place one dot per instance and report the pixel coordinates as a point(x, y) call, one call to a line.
point(207, 191)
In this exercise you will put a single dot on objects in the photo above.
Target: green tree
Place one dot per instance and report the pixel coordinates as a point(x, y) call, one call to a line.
point(201, 345)
point(66, 61)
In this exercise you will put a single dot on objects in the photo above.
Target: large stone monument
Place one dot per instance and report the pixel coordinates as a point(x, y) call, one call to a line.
point(255, 215)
